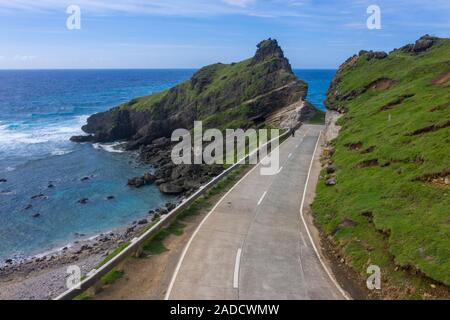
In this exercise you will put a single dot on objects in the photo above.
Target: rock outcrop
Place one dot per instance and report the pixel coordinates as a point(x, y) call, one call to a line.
point(242, 94)
point(257, 86)
point(421, 45)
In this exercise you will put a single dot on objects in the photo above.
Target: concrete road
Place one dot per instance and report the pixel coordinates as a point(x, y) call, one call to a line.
point(254, 244)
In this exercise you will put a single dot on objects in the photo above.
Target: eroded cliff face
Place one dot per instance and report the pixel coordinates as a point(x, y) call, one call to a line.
point(239, 94)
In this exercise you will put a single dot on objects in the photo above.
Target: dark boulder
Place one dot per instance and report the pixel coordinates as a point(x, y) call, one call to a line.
point(422, 44)
point(149, 178)
point(171, 189)
point(83, 201)
point(39, 196)
point(142, 222)
point(162, 211)
point(136, 182)
point(373, 54)
point(331, 169)
point(36, 215)
point(81, 139)
point(170, 206)
point(160, 182)
point(3, 180)
point(110, 197)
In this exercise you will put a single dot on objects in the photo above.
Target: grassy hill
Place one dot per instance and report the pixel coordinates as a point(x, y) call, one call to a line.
point(391, 204)
point(237, 95)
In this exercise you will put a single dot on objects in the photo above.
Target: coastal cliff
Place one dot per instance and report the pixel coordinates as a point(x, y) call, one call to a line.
point(383, 196)
point(224, 96)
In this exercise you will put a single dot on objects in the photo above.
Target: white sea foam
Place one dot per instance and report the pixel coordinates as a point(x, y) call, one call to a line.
point(109, 147)
point(17, 138)
point(59, 152)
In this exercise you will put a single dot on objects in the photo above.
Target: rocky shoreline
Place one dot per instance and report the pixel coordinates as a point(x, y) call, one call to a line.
point(43, 276)
point(48, 271)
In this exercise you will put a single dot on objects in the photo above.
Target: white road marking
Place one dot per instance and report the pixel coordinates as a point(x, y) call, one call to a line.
point(309, 233)
point(290, 155)
point(279, 171)
point(191, 239)
point(186, 248)
point(262, 198)
point(236, 269)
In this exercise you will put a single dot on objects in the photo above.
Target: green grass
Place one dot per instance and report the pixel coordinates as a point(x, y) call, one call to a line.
point(112, 277)
point(410, 227)
point(218, 94)
point(118, 250)
point(83, 296)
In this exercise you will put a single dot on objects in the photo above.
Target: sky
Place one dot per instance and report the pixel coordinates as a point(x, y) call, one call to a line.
point(315, 34)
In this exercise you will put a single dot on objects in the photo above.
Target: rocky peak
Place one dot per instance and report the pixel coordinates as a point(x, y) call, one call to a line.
point(269, 49)
point(422, 44)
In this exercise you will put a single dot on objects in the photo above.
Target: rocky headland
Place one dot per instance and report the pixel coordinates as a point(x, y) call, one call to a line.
point(238, 95)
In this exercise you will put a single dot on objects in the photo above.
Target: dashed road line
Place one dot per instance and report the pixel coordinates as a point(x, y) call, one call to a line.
point(236, 269)
point(262, 198)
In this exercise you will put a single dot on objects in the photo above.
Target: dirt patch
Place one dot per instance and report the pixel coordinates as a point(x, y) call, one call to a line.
point(397, 101)
point(381, 84)
point(432, 128)
point(440, 107)
point(369, 150)
point(354, 145)
point(442, 79)
point(441, 179)
point(368, 215)
point(347, 223)
point(367, 163)
point(148, 277)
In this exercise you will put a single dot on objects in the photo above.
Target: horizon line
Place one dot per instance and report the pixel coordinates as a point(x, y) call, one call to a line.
point(87, 69)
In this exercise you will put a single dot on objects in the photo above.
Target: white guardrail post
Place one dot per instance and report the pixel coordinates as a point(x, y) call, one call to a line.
point(93, 283)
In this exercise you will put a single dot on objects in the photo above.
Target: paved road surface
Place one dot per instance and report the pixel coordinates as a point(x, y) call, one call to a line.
point(254, 244)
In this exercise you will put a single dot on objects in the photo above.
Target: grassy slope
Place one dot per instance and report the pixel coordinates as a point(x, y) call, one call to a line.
point(219, 101)
point(411, 219)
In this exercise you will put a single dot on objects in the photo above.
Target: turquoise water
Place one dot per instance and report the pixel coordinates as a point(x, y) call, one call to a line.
point(39, 112)
point(318, 82)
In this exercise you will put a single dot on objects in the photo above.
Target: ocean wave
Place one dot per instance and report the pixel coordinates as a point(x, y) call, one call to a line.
point(109, 147)
point(59, 152)
point(18, 138)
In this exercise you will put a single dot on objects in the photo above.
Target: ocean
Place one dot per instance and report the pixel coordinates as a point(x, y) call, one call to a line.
point(39, 111)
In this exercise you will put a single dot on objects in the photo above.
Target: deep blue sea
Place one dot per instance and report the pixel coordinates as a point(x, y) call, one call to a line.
point(39, 112)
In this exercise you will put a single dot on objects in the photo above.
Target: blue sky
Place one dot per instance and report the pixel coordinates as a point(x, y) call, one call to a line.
point(190, 34)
